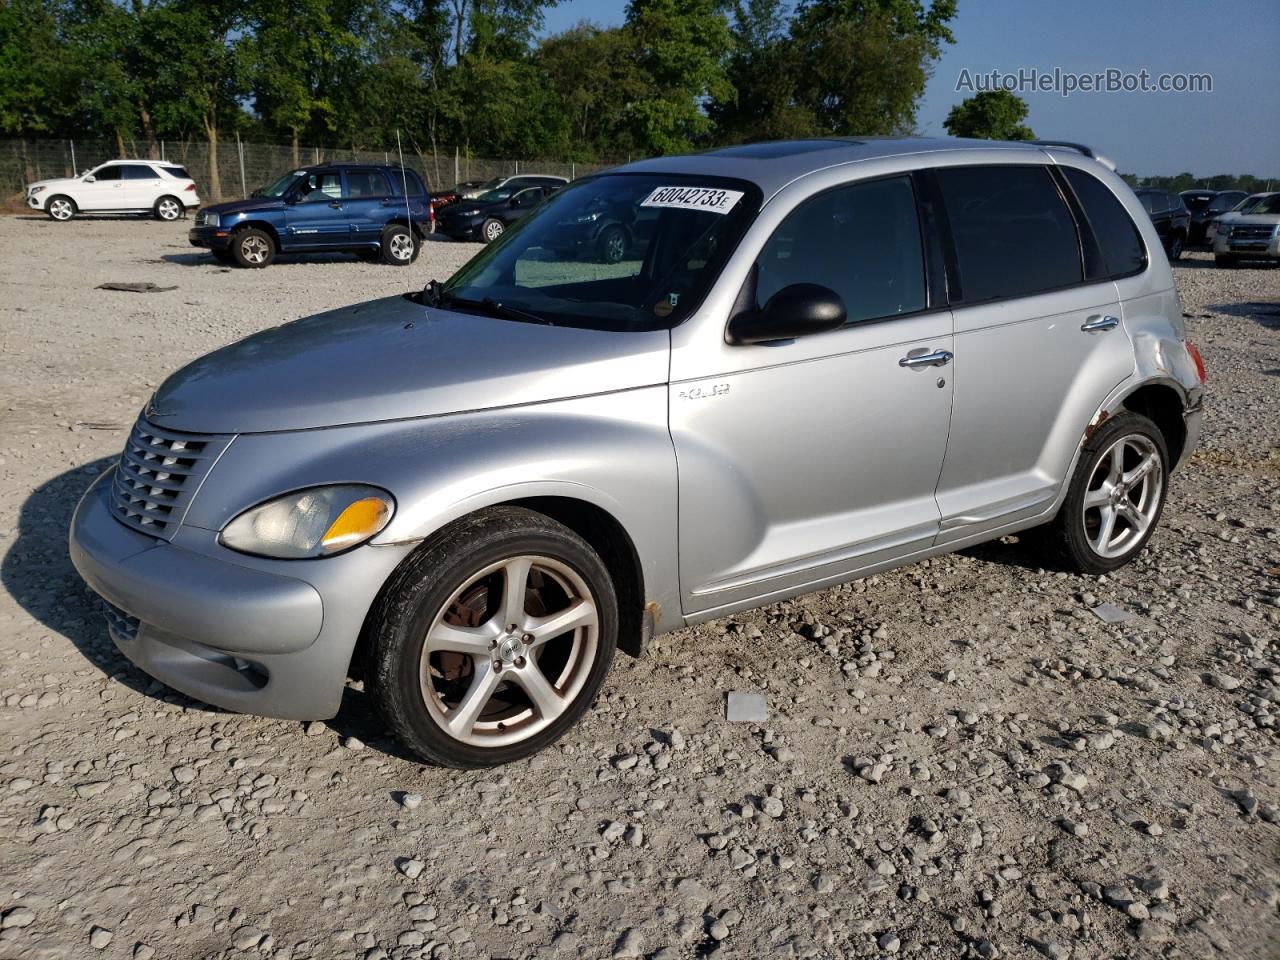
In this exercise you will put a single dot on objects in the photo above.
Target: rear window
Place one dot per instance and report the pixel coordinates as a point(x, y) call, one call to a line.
point(1117, 236)
point(1014, 234)
point(1195, 202)
point(400, 177)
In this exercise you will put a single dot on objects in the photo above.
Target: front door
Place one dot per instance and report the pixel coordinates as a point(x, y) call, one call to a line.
point(318, 218)
point(107, 191)
point(814, 458)
point(1037, 347)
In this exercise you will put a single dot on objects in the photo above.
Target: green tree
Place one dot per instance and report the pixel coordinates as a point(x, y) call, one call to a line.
point(680, 48)
point(594, 77)
point(990, 115)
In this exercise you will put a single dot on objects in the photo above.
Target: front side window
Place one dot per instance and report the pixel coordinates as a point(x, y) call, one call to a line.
point(107, 173)
point(280, 187)
point(1014, 235)
point(862, 241)
point(615, 252)
point(321, 186)
point(1117, 236)
point(366, 183)
point(138, 171)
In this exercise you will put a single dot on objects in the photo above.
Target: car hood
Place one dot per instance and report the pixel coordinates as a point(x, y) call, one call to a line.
point(1263, 218)
point(54, 182)
point(244, 206)
point(394, 359)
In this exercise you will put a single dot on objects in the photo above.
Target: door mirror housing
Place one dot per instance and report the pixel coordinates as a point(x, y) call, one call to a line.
point(795, 311)
point(90, 178)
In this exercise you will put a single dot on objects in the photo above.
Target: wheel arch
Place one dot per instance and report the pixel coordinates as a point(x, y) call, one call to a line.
point(264, 225)
point(1164, 406)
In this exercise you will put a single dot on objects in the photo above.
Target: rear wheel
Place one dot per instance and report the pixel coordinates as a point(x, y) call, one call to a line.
point(168, 208)
point(492, 230)
point(399, 246)
point(492, 640)
point(60, 208)
point(1116, 496)
point(253, 248)
point(1176, 244)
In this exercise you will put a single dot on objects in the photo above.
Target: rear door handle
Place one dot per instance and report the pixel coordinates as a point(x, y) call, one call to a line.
point(938, 358)
point(1100, 322)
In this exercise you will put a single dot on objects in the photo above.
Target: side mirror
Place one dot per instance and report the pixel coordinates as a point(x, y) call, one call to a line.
point(794, 311)
point(90, 178)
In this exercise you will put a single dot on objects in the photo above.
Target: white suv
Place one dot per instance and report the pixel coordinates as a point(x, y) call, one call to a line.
point(162, 189)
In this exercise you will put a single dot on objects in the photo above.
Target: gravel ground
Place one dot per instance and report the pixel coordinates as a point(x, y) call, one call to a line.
point(961, 758)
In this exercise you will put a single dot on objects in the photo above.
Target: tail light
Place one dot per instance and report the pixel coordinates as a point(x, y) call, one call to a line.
point(191, 188)
point(1199, 360)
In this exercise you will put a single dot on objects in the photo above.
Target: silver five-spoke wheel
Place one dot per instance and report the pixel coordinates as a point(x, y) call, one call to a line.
point(60, 208)
point(402, 246)
point(168, 209)
point(255, 249)
point(1123, 497)
point(510, 651)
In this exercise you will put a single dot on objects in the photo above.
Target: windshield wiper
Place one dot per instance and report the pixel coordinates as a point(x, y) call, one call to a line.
point(491, 306)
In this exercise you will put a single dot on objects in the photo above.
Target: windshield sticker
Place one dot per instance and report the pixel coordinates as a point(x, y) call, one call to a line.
point(708, 199)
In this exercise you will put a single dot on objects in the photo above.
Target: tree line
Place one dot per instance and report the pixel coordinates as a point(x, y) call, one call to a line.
point(676, 75)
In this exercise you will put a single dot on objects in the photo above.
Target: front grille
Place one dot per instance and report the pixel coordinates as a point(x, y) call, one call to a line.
point(159, 472)
point(1252, 231)
point(119, 623)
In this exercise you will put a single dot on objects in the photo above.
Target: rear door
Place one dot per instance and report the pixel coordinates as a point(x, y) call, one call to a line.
point(1038, 344)
point(370, 203)
point(141, 185)
point(318, 218)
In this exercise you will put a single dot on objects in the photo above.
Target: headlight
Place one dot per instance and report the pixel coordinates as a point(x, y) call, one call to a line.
point(35, 190)
point(317, 522)
point(212, 220)
point(589, 217)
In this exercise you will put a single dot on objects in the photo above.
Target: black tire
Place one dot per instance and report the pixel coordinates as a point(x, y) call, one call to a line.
point(418, 593)
point(1224, 260)
point(1069, 534)
point(399, 246)
point(60, 208)
point(492, 229)
point(1176, 244)
point(253, 248)
point(168, 209)
point(224, 256)
point(611, 245)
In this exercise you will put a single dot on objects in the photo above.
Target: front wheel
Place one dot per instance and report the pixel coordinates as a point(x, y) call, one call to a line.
point(1175, 247)
point(491, 641)
point(612, 244)
point(399, 246)
point(1116, 496)
point(61, 208)
point(253, 248)
point(168, 208)
point(492, 230)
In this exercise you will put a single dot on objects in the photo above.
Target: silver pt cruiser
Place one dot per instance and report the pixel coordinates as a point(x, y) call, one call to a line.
point(793, 364)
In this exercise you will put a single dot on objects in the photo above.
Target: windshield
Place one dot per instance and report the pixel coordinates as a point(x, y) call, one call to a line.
point(278, 188)
point(615, 252)
point(1267, 205)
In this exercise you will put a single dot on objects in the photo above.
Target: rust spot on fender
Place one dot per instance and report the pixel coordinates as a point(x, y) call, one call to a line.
point(1102, 417)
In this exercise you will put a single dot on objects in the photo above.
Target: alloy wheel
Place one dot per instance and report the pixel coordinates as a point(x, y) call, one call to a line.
point(169, 210)
point(255, 249)
point(615, 247)
point(1123, 496)
point(510, 651)
point(402, 246)
point(60, 209)
point(492, 230)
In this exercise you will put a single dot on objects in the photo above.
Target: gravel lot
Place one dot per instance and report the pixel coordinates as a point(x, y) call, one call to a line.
point(961, 758)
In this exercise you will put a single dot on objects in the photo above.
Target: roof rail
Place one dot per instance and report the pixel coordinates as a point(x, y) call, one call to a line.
point(1079, 148)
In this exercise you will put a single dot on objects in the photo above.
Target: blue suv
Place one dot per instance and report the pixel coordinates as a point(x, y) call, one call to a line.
point(382, 213)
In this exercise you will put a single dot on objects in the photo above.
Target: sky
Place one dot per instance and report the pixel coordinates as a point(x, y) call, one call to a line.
point(1235, 128)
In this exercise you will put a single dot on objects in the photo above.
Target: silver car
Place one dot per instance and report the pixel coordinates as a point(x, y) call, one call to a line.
point(817, 360)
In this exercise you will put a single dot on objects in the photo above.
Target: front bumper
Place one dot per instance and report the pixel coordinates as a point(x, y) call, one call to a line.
point(36, 200)
point(460, 228)
point(236, 635)
point(210, 238)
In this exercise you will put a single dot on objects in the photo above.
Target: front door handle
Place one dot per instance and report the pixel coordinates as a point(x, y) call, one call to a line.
point(938, 358)
point(1100, 322)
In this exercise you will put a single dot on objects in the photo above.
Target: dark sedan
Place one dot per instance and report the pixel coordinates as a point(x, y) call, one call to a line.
point(1170, 216)
point(487, 217)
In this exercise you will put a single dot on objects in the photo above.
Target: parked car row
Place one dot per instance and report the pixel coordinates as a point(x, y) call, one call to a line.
point(1236, 225)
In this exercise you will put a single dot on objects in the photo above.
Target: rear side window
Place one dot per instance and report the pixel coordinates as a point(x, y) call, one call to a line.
point(138, 171)
point(1014, 235)
point(366, 183)
point(1118, 238)
point(400, 177)
point(861, 240)
point(179, 172)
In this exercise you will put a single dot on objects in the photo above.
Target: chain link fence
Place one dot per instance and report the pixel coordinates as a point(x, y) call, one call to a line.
point(234, 168)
